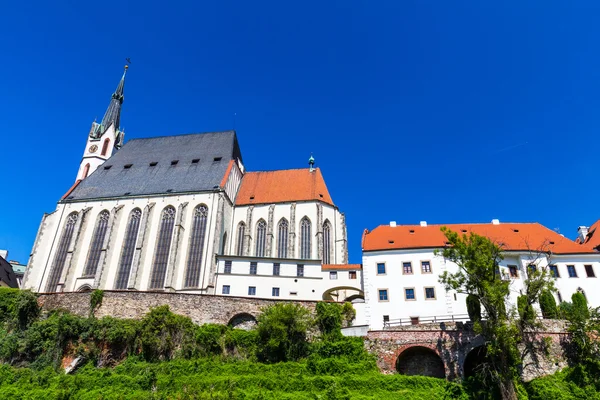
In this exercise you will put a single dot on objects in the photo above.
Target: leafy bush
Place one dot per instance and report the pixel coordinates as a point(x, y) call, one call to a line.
point(95, 300)
point(548, 305)
point(525, 310)
point(329, 319)
point(282, 332)
point(165, 335)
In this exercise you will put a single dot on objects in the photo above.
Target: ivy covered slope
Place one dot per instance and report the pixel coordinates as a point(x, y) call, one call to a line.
point(290, 355)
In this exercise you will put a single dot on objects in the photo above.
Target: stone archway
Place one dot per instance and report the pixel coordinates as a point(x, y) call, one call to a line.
point(474, 359)
point(242, 321)
point(420, 360)
point(343, 293)
point(85, 288)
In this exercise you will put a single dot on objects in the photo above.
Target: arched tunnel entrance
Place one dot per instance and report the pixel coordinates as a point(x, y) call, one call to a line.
point(419, 360)
point(243, 321)
point(474, 361)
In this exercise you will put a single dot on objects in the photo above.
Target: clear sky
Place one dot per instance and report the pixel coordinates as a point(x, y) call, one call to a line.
point(444, 111)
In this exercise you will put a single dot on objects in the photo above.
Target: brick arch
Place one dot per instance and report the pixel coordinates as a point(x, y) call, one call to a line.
point(420, 359)
point(242, 320)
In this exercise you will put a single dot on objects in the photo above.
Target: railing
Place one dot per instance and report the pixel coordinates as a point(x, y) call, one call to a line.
point(426, 320)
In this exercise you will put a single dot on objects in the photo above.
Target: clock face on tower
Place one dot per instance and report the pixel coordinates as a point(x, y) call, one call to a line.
point(93, 148)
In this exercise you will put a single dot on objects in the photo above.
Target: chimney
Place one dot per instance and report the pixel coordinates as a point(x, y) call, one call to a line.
point(393, 224)
point(495, 222)
point(4, 254)
point(423, 223)
point(582, 232)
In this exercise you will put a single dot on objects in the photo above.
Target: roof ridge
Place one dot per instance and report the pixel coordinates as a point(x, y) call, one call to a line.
point(180, 134)
point(277, 170)
point(467, 223)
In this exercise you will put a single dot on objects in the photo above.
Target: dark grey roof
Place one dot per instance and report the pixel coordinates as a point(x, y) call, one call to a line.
point(7, 274)
point(129, 173)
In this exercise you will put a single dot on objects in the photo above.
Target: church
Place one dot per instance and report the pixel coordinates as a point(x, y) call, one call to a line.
point(182, 214)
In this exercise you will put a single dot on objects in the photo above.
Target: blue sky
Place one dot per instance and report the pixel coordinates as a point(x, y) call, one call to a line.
point(415, 110)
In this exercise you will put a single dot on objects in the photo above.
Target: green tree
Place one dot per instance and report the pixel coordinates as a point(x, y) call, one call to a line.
point(526, 311)
point(282, 332)
point(478, 260)
point(329, 319)
point(548, 305)
point(474, 308)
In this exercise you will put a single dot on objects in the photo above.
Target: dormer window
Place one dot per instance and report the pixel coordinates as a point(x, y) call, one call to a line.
point(107, 166)
point(217, 159)
point(153, 163)
point(195, 161)
point(127, 166)
point(174, 162)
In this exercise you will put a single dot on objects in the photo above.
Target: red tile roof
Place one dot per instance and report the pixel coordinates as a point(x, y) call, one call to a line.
point(511, 236)
point(592, 239)
point(283, 186)
point(226, 176)
point(77, 182)
point(341, 267)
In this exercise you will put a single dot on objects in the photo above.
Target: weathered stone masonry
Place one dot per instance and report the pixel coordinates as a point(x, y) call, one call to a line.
point(200, 308)
point(452, 343)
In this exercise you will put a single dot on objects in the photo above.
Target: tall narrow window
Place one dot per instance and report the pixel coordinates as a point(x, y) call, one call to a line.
point(128, 250)
point(86, 170)
point(61, 253)
point(96, 246)
point(327, 243)
point(305, 238)
point(282, 238)
point(192, 277)
point(163, 247)
point(261, 238)
point(105, 147)
point(241, 231)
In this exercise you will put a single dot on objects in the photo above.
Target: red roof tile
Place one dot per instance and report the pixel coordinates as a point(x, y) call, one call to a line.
point(77, 182)
point(592, 239)
point(283, 186)
point(341, 267)
point(511, 236)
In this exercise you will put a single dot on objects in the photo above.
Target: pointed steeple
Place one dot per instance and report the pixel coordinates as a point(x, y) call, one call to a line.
point(113, 112)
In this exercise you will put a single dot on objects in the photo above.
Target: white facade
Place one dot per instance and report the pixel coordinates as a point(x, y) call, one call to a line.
point(399, 305)
point(285, 279)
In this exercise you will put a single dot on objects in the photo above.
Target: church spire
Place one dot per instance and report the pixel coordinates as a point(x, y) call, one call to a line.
point(113, 112)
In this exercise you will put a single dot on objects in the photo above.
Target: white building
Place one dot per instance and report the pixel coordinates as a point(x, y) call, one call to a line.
point(169, 213)
point(401, 270)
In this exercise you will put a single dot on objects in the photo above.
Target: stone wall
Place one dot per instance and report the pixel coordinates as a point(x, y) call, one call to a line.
point(452, 342)
point(129, 304)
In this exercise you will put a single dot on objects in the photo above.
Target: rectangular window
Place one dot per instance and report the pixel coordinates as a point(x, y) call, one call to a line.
point(352, 275)
point(554, 271)
point(380, 268)
point(409, 294)
point(513, 271)
point(386, 318)
point(227, 267)
point(332, 275)
point(225, 289)
point(300, 270)
point(275, 292)
point(251, 290)
point(383, 295)
point(572, 271)
point(276, 269)
point(414, 320)
point(253, 268)
point(589, 270)
point(425, 267)
point(429, 293)
point(531, 268)
point(293, 293)
point(407, 268)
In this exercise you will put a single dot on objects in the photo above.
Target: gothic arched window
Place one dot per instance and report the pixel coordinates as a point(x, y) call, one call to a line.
point(86, 170)
point(163, 247)
point(192, 276)
point(282, 238)
point(241, 231)
point(327, 243)
point(105, 146)
point(305, 246)
point(61, 253)
point(261, 238)
point(95, 251)
point(128, 249)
